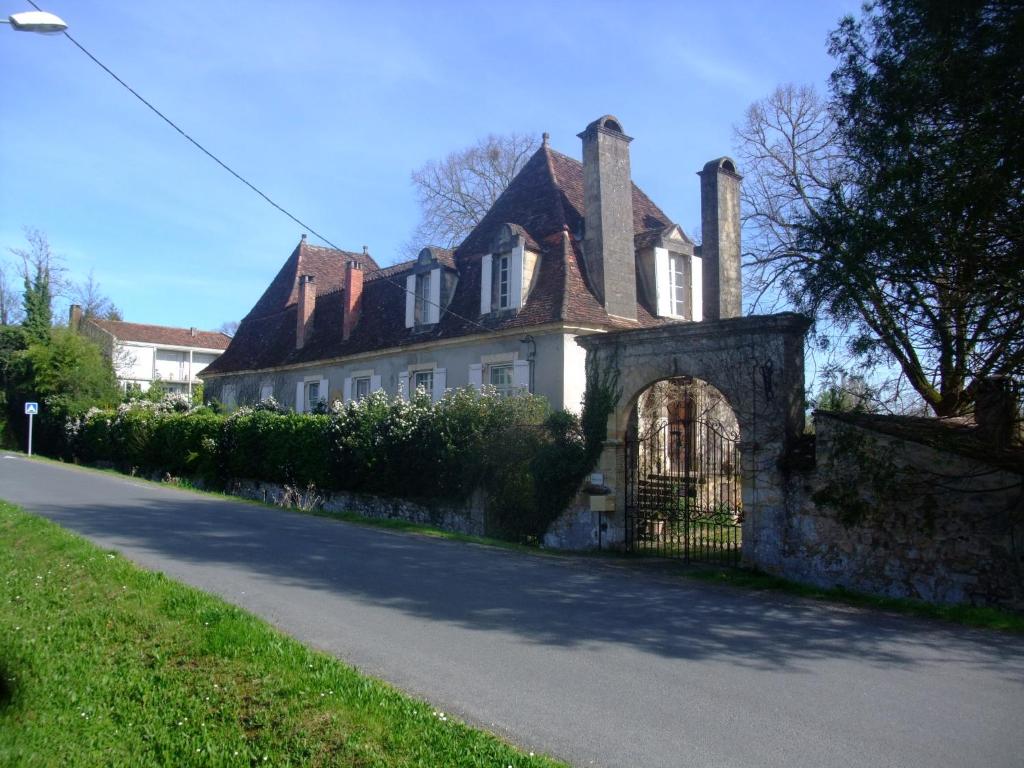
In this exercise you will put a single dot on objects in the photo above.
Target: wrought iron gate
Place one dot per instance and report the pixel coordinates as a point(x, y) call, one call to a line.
point(683, 492)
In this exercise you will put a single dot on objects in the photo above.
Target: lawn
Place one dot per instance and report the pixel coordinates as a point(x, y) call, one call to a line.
point(102, 663)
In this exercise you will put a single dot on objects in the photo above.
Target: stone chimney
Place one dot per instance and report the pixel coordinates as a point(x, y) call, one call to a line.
point(995, 411)
point(304, 310)
point(353, 297)
point(75, 317)
point(608, 210)
point(720, 249)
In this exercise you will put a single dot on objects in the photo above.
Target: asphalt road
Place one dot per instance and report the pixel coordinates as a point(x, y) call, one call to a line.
point(594, 662)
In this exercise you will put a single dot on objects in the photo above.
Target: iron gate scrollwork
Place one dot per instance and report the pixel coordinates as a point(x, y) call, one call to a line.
point(683, 492)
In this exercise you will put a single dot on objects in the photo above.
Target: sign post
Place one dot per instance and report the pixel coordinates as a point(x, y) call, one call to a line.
point(31, 409)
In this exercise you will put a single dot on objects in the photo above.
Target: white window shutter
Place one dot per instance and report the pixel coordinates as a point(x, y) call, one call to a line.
point(403, 386)
point(485, 284)
point(299, 391)
point(515, 277)
point(521, 374)
point(375, 383)
point(434, 308)
point(662, 282)
point(476, 376)
point(440, 374)
point(325, 392)
point(696, 287)
point(347, 387)
point(410, 301)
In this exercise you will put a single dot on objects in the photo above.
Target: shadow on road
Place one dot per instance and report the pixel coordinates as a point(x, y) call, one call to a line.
point(566, 602)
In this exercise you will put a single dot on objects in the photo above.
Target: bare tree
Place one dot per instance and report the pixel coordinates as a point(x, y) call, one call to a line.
point(791, 157)
point(455, 192)
point(93, 301)
point(10, 300)
point(39, 259)
point(789, 149)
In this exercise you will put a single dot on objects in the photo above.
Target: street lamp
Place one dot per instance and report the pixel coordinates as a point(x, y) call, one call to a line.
point(36, 21)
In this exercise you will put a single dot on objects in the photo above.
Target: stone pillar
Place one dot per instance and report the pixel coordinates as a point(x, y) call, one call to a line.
point(608, 211)
point(720, 249)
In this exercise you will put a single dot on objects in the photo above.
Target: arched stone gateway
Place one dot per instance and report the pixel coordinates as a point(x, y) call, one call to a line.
point(683, 481)
point(755, 365)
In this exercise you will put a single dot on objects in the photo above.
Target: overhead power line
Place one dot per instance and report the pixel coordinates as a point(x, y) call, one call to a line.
point(379, 273)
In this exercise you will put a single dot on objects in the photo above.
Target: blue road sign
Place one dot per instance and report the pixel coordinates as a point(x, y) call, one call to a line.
point(31, 409)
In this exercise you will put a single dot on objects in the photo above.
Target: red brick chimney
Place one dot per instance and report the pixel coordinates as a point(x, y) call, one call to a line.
point(304, 310)
point(353, 297)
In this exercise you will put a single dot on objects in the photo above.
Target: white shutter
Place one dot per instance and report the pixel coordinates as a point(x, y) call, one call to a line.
point(476, 376)
point(410, 301)
point(298, 397)
point(697, 287)
point(403, 386)
point(347, 387)
point(434, 308)
point(375, 383)
point(325, 393)
point(515, 278)
point(485, 284)
point(662, 282)
point(440, 374)
point(521, 374)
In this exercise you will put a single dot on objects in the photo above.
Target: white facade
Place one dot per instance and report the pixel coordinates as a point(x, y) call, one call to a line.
point(139, 364)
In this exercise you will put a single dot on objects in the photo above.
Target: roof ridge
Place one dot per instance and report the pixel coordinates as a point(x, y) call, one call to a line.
point(98, 320)
point(563, 311)
point(554, 180)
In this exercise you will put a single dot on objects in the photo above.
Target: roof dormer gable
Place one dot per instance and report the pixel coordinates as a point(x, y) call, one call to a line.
point(429, 287)
point(508, 272)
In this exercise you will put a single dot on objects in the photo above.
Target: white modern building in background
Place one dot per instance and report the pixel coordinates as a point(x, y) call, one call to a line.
point(142, 353)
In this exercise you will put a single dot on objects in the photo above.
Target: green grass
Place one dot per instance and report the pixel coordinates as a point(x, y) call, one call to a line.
point(102, 663)
point(971, 616)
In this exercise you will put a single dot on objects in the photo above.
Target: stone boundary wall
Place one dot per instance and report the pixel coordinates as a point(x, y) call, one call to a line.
point(468, 518)
point(891, 517)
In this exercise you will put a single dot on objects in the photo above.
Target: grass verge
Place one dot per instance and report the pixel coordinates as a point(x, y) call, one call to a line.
point(971, 616)
point(102, 663)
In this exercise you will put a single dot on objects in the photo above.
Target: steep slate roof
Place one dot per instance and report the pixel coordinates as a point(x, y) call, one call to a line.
point(544, 202)
point(160, 334)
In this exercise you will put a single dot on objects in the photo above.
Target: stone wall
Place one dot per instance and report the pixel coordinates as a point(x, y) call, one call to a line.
point(893, 517)
point(468, 518)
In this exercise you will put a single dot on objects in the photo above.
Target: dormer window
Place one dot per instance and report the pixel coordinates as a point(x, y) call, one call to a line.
point(429, 287)
point(670, 273)
point(502, 282)
point(421, 297)
point(507, 273)
point(677, 284)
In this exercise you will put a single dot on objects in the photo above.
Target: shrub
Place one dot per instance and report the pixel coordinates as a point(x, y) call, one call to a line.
point(528, 460)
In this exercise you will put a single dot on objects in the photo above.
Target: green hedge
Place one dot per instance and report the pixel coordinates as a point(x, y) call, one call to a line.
point(528, 460)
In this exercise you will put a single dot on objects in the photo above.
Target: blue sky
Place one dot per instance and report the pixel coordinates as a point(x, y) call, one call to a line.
point(328, 107)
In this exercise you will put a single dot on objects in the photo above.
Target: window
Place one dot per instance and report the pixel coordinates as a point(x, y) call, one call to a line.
point(360, 388)
point(266, 392)
point(312, 394)
point(421, 312)
point(501, 378)
point(676, 284)
point(424, 379)
point(502, 283)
